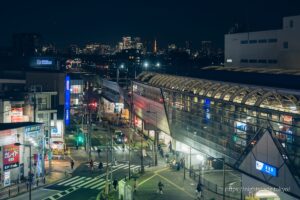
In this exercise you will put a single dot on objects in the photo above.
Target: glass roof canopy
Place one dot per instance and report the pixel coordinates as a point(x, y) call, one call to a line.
point(265, 97)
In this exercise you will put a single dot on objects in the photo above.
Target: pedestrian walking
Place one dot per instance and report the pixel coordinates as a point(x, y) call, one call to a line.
point(160, 187)
point(72, 164)
point(198, 191)
point(100, 166)
point(98, 151)
point(92, 165)
point(115, 184)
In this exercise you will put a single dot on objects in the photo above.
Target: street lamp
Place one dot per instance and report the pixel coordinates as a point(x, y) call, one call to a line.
point(146, 65)
point(157, 64)
point(30, 168)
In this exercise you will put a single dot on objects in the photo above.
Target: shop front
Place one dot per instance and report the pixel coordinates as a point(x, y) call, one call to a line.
point(14, 158)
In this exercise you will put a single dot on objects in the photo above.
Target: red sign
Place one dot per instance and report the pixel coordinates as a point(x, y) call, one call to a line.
point(11, 157)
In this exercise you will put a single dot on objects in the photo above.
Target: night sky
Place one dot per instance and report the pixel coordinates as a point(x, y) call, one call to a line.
point(65, 21)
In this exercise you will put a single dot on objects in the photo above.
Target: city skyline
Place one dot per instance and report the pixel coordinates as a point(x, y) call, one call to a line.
point(64, 23)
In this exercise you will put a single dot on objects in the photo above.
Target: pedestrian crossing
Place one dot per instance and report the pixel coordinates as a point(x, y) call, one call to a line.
point(96, 183)
point(115, 147)
point(117, 166)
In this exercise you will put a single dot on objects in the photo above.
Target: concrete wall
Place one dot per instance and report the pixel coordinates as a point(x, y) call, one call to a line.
point(286, 50)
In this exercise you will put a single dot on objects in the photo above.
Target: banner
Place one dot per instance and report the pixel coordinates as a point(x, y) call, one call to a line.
point(11, 157)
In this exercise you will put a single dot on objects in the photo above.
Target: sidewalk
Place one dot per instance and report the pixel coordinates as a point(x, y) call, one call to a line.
point(58, 172)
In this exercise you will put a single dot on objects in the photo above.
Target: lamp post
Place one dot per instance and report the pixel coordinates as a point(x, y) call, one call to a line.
point(30, 167)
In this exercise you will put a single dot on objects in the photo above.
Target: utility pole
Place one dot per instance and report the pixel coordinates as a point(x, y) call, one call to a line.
point(111, 147)
point(223, 159)
point(106, 181)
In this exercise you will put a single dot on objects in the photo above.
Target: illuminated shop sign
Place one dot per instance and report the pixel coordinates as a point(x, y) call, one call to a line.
point(43, 62)
point(265, 168)
point(67, 100)
point(10, 157)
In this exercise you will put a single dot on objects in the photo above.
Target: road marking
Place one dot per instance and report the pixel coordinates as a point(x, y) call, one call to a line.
point(178, 187)
point(74, 181)
point(95, 186)
point(61, 194)
point(73, 178)
point(88, 182)
point(80, 182)
point(144, 181)
point(93, 183)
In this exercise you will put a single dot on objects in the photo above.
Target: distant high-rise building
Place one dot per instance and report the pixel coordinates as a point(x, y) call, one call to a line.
point(155, 47)
point(171, 47)
point(74, 49)
point(127, 43)
point(206, 48)
point(26, 44)
point(137, 43)
point(48, 49)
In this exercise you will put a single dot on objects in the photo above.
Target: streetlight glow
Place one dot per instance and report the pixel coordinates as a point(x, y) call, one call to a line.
point(157, 64)
point(146, 64)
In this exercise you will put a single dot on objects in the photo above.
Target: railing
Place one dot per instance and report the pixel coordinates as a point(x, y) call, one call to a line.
point(18, 188)
point(215, 188)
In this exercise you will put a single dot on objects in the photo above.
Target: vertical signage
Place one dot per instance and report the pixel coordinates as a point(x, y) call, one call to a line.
point(67, 100)
point(10, 157)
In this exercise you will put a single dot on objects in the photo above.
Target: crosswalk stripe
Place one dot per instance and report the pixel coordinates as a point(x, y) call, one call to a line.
point(88, 182)
point(73, 178)
point(74, 181)
point(96, 182)
point(95, 186)
point(134, 167)
point(81, 182)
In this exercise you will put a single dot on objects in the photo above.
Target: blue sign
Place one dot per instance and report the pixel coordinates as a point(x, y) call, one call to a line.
point(265, 168)
point(67, 100)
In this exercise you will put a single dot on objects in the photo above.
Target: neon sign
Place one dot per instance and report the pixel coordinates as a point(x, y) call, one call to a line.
point(67, 100)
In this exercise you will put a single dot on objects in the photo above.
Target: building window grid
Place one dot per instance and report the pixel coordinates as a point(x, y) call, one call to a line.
point(213, 110)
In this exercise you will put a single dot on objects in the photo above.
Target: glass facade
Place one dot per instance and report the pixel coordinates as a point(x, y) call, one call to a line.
point(228, 118)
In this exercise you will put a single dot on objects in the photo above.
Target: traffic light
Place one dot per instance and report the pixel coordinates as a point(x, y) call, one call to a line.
point(79, 139)
point(234, 137)
point(93, 105)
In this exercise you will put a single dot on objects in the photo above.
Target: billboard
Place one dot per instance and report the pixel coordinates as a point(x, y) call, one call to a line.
point(57, 131)
point(11, 157)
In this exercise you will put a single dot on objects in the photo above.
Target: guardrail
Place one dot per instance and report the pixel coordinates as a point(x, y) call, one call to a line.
point(18, 188)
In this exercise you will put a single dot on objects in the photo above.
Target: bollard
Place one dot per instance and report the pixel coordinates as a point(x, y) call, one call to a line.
point(18, 189)
point(9, 192)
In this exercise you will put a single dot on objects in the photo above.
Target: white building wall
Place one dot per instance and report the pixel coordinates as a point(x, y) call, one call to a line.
point(274, 48)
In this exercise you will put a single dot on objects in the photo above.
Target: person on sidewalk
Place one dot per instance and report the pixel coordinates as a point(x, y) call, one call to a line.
point(72, 164)
point(198, 191)
point(160, 187)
